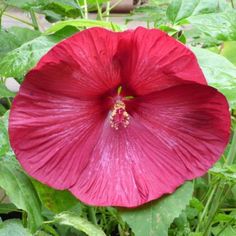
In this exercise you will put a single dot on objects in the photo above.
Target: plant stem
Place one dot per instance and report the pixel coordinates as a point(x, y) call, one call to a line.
point(3, 197)
point(214, 208)
point(34, 20)
point(232, 151)
point(232, 3)
point(99, 10)
point(206, 208)
point(8, 102)
point(18, 19)
point(108, 10)
point(115, 4)
point(24, 218)
point(81, 12)
point(85, 9)
point(92, 215)
point(217, 200)
point(1, 13)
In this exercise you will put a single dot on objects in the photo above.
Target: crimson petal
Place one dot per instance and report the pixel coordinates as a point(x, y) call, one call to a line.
point(52, 135)
point(80, 66)
point(151, 61)
point(174, 135)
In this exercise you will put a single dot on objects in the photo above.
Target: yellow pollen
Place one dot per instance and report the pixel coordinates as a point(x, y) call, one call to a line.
point(119, 116)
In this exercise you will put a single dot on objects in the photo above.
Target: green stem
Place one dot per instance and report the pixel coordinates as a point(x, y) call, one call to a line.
point(24, 218)
point(8, 102)
point(1, 13)
point(99, 10)
point(92, 215)
point(232, 3)
point(115, 4)
point(232, 151)
point(34, 20)
point(81, 12)
point(220, 192)
point(3, 197)
point(214, 208)
point(108, 10)
point(206, 208)
point(85, 9)
point(18, 19)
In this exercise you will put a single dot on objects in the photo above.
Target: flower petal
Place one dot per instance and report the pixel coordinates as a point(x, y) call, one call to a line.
point(82, 65)
point(174, 135)
point(152, 61)
point(53, 135)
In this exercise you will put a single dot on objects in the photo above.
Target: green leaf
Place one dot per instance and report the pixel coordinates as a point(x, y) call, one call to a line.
point(55, 200)
point(5, 208)
point(21, 192)
point(17, 62)
point(219, 72)
point(13, 228)
point(225, 172)
point(219, 26)
point(59, 9)
point(229, 51)
point(14, 37)
point(155, 217)
point(23, 4)
point(80, 23)
point(228, 231)
point(181, 9)
point(5, 149)
point(71, 219)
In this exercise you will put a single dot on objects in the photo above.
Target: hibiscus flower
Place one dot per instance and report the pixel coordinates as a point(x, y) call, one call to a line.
point(119, 119)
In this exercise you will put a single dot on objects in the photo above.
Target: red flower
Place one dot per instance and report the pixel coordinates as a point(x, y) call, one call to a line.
point(118, 118)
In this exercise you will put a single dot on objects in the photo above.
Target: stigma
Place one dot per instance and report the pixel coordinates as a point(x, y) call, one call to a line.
point(119, 116)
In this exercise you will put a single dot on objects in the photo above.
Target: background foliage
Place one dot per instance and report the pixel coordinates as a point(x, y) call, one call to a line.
point(203, 207)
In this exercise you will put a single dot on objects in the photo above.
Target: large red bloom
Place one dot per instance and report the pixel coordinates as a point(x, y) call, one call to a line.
point(118, 118)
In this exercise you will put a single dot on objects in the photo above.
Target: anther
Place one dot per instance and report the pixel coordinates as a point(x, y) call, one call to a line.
point(119, 116)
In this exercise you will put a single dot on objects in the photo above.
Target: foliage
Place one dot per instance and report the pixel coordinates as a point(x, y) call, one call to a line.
point(203, 207)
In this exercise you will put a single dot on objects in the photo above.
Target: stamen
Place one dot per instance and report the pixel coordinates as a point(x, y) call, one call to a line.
point(119, 116)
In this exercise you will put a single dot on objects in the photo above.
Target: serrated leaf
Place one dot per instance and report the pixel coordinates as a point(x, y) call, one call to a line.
point(219, 72)
point(155, 218)
point(181, 9)
point(80, 23)
point(219, 26)
point(71, 219)
point(13, 228)
point(21, 192)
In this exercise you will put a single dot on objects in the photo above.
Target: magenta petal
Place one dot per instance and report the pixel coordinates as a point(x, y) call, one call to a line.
point(174, 135)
